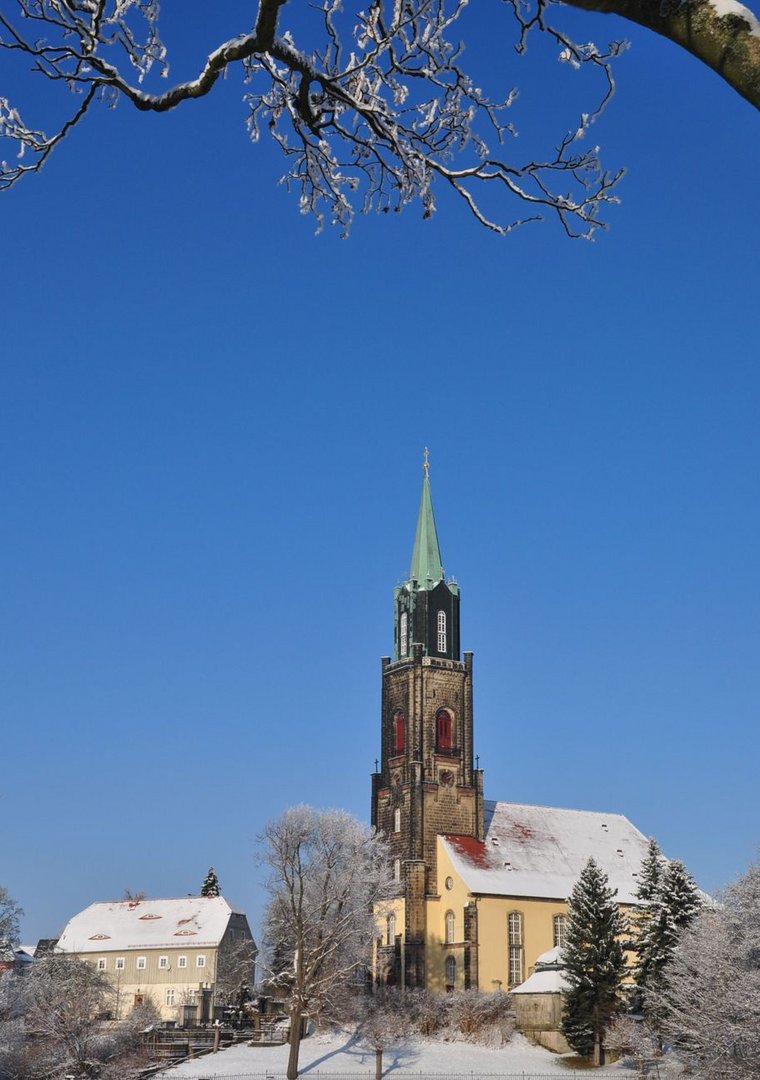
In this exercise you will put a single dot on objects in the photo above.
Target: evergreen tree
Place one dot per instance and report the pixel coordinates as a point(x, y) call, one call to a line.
point(210, 886)
point(651, 873)
point(594, 962)
point(650, 927)
point(680, 894)
point(670, 902)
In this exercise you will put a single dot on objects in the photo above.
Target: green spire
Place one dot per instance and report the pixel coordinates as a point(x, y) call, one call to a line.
point(426, 557)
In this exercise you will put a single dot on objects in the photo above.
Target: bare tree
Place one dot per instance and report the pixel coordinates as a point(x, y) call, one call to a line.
point(64, 1003)
point(10, 912)
point(711, 996)
point(370, 108)
point(327, 871)
point(383, 1021)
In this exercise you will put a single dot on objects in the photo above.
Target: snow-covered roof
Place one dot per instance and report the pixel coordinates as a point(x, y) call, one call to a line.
point(542, 982)
point(540, 851)
point(189, 921)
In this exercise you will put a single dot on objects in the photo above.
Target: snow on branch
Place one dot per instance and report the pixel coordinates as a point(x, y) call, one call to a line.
point(376, 113)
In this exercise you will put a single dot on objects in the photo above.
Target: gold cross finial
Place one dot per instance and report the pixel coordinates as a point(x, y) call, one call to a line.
point(426, 463)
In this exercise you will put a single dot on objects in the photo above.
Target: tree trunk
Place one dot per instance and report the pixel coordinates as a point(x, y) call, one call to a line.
point(724, 40)
point(378, 1063)
point(296, 1020)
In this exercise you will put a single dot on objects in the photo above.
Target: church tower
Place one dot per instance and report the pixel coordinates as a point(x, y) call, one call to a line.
point(427, 783)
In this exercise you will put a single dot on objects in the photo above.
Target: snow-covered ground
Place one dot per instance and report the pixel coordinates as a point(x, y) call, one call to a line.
point(343, 1053)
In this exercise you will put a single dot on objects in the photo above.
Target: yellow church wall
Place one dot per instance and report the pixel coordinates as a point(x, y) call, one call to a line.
point(537, 920)
point(492, 961)
point(452, 895)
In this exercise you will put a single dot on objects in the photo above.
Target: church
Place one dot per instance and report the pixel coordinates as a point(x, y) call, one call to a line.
point(482, 886)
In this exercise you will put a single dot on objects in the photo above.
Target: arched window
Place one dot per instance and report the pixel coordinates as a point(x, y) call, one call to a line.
point(403, 634)
point(390, 930)
point(442, 631)
point(515, 937)
point(450, 928)
point(451, 973)
point(560, 926)
point(443, 725)
point(399, 732)
point(397, 820)
point(397, 869)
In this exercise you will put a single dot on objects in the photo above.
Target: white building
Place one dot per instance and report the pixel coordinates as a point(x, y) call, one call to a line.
point(185, 953)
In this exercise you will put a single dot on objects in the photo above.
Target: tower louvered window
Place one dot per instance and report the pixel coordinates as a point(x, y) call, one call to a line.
point(442, 631)
point(403, 634)
point(443, 729)
point(399, 732)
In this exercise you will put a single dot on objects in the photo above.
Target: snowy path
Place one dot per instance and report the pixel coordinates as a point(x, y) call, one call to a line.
point(343, 1053)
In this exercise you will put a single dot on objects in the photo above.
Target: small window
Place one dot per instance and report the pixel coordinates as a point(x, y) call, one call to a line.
point(200, 961)
point(101, 964)
point(404, 633)
point(119, 963)
point(450, 928)
point(560, 927)
point(163, 962)
point(170, 995)
point(449, 883)
point(397, 820)
point(442, 631)
point(397, 869)
point(399, 732)
point(443, 725)
point(451, 973)
point(141, 963)
point(390, 930)
point(182, 961)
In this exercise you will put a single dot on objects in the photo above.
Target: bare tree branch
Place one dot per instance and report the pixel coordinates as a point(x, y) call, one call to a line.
point(379, 108)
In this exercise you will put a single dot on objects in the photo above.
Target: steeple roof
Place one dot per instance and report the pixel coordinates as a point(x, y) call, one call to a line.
point(427, 568)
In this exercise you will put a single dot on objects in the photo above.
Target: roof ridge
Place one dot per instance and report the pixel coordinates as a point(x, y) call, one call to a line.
point(564, 809)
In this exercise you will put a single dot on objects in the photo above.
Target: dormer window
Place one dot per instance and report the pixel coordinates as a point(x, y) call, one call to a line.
point(441, 631)
point(403, 634)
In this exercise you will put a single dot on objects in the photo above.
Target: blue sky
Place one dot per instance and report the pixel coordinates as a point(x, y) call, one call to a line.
point(211, 430)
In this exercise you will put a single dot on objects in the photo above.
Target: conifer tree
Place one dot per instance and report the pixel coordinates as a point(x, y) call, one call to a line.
point(651, 873)
point(670, 902)
point(594, 962)
point(210, 886)
point(649, 923)
point(680, 894)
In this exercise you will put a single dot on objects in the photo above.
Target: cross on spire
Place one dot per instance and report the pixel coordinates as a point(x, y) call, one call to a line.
point(426, 463)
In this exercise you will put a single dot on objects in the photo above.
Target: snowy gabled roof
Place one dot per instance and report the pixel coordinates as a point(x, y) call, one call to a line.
point(189, 921)
point(540, 851)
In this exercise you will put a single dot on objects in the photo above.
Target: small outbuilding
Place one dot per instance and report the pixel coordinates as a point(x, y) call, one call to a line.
point(538, 1002)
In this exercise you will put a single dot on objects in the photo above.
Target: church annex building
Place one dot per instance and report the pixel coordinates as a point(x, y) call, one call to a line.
point(482, 886)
